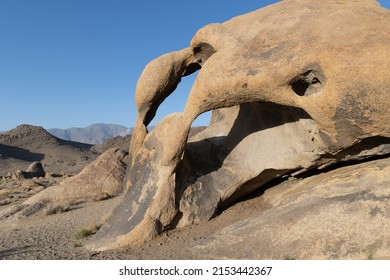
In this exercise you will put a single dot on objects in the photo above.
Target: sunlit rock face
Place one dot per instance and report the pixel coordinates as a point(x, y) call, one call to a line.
point(294, 86)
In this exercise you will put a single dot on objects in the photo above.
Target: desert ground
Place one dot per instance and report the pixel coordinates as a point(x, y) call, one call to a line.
point(49, 235)
point(56, 236)
point(337, 213)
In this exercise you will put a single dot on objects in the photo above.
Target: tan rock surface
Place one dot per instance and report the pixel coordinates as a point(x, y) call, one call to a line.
point(42, 236)
point(294, 86)
point(100, 179)
point(342, 214)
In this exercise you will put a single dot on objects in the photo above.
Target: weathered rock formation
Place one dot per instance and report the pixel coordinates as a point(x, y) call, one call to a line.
point(100, 179)
point(35, 170)
point(342, 214)
point(295, 86)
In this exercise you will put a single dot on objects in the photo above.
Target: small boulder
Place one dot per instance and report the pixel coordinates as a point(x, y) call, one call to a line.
point(17, 175)
point(35, 170)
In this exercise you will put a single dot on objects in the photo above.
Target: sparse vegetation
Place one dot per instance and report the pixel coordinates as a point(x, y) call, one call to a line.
point(88, 231)
point(27, 245)
point(92, 228)
point(85, 232)
point(77, 245)
point(370, 251)
point(289, 258)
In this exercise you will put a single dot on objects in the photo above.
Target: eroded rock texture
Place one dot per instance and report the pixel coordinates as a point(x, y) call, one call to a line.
point(341, 214)
point(100, 179)
point(294, 86)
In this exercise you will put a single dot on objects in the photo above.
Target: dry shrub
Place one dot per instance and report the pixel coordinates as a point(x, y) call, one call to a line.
point(88, 231)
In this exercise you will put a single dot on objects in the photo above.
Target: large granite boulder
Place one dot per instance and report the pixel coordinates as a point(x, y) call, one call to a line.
point(98, 180)
point(295, 86)
point(35, 170)
point(342, 214)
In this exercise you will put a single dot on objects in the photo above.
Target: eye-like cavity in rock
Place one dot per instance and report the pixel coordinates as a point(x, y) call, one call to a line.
point(294, 86)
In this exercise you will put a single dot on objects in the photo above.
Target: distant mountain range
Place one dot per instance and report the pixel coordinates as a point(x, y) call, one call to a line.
point(93, 134)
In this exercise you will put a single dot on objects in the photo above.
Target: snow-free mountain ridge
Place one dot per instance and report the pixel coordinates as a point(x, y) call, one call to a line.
point(93, 134)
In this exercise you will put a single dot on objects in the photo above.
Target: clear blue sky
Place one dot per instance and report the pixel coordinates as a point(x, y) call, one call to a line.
point(72, 63)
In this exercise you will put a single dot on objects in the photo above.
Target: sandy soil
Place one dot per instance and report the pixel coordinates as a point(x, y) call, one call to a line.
point(42, 236)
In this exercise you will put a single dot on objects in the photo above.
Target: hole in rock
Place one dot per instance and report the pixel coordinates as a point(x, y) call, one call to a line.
point(202, 52)
point(177, 101)
point(306, 84)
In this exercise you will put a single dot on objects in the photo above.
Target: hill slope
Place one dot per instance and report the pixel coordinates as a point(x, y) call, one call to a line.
point(25, 144)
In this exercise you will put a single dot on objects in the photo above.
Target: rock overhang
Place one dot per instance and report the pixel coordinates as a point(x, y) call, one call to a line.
point(295, 86)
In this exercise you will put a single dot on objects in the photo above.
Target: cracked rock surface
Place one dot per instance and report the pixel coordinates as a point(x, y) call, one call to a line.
point(295, 86)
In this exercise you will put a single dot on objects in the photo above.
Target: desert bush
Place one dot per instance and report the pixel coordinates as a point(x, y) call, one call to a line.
point(289, 258)
point(370, 252)
point(87, 231)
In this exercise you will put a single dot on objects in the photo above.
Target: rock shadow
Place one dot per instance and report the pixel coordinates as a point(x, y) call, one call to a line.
point(15, 251)
point(19, 153)
point(207, 155)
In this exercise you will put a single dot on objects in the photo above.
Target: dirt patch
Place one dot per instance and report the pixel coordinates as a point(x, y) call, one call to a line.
point(43, 236)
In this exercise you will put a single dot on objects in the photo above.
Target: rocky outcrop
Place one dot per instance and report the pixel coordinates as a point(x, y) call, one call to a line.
point(17, 175)
point(295, 86)
point(118, 142)
point(342, 214)
point(100, 179)
point(35, 170)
